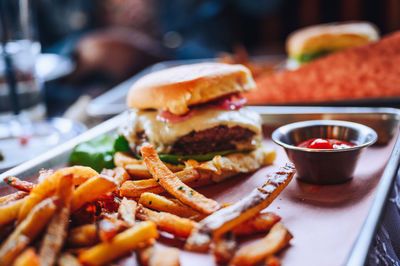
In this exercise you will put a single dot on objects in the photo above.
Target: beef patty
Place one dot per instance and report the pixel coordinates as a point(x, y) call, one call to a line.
point(219, 138)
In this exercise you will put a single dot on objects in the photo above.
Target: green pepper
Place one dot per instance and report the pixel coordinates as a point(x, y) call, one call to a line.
point(179, 159)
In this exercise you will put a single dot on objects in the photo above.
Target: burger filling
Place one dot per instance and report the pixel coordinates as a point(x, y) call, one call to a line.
point(206, 132)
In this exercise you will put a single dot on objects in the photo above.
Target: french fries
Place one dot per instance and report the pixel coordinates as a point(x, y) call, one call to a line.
point(161, 203)
point(120, 244)
point(19, 184)
point(58, 225)
point(48, 186)
point(164, 257)
point(10, 211)
point(272, 261)
point(173, 185)
point(145, 254)
point(167, 222)
point(27, 230)
point(275, 240)
point(261, 222)
point(109, 228)
point(150, 256)
point(227, 218)
point(12, 197)
point(224, 248)
point(85, 235)
point(92, 190)
point(67, 259)
point(127, 211)
point(136, 168)
point(119, 174)
point(76, 212)
point(135, 188)
point(27, 258)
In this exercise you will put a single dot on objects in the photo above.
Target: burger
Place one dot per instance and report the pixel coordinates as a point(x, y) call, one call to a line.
point(309, 43)
point(196, 113)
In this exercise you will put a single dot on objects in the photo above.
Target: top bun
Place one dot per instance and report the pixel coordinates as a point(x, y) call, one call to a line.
point(330, 37)
point(175, 89)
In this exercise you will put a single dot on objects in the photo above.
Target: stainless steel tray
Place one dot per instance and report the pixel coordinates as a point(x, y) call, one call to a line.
point(384, 120)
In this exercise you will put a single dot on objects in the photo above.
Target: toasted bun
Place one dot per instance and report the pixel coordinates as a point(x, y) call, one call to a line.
point(174, 89)
point(330, 37)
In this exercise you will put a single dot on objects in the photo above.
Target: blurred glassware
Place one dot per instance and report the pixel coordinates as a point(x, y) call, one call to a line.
point(24, 133)
point(20, 87)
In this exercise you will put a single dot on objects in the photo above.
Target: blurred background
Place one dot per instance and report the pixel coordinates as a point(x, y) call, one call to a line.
point(111, 40)
point(59, 56)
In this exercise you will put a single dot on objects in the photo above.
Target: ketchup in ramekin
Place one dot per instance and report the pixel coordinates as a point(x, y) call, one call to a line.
point(325, 144)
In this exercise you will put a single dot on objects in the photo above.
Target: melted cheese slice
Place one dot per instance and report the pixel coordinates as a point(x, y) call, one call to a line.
point(163, 134)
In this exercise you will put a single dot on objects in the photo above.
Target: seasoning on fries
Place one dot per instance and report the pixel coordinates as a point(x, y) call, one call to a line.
point(171, 183)
point(79, 218)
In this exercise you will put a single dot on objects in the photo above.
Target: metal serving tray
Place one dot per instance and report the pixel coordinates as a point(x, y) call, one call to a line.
point(384, 120)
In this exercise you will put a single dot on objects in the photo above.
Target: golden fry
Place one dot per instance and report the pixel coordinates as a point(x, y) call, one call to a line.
point(138, 171)
point(127, 211)
point(122, 159)
point(109, 228)
point(36, 220)
point(134, 188)
point(224, 248)
point(119, 174)
point(272, 261)
point(227, 218)
point(120, 244)
point(67, 259)
point(48, 186)
point(85, 235)
point(12, 197)
point(14, 249)
point(93, 189)
point(161, 203)
point(10, 211)
point(261, 222)
point(167, 222)
point(19, 184)
point(164, 257)
point(27, 258)
point(173, 185)
point(56, 231)
point(136, 168)
point(274, 241)
point(145, 254)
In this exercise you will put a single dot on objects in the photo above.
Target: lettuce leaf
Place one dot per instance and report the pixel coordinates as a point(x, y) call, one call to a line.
point(99, 153)
point(310, 56)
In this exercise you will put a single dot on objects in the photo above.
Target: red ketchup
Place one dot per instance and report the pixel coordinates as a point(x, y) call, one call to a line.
point(325, 144)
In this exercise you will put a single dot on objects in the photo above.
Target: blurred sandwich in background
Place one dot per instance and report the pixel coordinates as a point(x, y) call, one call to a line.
point(310, 43)
point(367, 71)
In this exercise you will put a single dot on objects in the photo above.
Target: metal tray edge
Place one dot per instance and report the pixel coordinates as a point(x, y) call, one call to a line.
point(358, 253)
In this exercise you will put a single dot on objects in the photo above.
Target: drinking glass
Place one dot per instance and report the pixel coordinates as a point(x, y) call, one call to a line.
point(20, 88)
point(24, 133)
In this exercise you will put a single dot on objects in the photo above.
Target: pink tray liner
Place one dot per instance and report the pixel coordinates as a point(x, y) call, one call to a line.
point(324, 220)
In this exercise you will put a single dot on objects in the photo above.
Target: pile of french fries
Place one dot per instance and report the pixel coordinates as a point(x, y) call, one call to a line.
point(76, 216)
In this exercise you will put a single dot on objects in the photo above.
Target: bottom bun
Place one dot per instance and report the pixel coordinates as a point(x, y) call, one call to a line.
point(215, 170)
point(223, 167)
